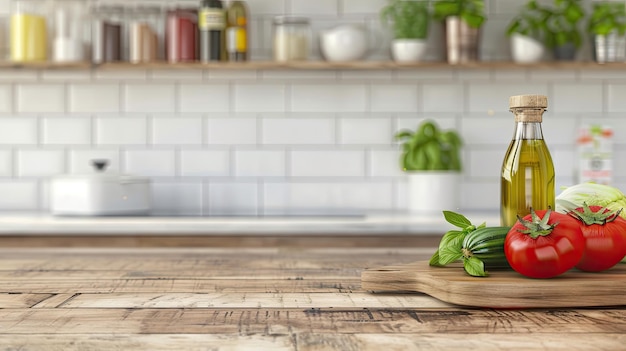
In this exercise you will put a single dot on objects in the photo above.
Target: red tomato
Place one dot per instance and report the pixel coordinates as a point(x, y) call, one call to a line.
point(544, 244)
point(605, 238)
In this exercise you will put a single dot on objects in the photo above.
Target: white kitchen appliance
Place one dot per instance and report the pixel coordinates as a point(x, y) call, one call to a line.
point(100, 194)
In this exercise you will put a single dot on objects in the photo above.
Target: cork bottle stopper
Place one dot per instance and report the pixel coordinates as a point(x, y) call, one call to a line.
point(528, 108)
point(528, 101)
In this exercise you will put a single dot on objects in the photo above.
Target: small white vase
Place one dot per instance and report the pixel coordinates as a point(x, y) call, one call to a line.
point(431, 192)
point(408, 50)
point(525, 49)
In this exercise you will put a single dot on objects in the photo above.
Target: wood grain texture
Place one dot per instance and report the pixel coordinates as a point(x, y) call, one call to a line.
point(502, 289)
point(311, 65)
point(264, 298)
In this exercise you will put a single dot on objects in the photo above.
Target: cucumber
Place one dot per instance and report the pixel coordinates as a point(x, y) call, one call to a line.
point(487, 245)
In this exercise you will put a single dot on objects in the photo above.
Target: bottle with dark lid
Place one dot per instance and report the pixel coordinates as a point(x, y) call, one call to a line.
point(212, 25)
point(527, 179)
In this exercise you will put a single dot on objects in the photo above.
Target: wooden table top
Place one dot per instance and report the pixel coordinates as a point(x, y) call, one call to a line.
point(258, 299)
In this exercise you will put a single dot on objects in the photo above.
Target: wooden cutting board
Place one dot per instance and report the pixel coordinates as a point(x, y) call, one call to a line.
point(501, 289)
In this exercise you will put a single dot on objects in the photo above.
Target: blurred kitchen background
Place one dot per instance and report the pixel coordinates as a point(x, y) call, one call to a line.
point(290, 142)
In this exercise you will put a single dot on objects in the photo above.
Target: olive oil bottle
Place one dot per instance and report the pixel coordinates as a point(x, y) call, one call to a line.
point(527, 179)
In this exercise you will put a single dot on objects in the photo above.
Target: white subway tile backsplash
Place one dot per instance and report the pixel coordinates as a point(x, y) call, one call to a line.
point(394, 97)
point(81, 160)
point(65, 75)
point(144, 97)
point(18, 76)
point(442, 97)
point(298, 131)
point(259, 97)
point(177, 130)
point(40, 98)
point(494, 130)
point(121, 75)
point(318, 7)
point(94, 98)
point(18, 130)
point(151, 163)
point(231, 75)
point(484, 163)
point(332, 198)
point(321, 163)
point(367, 131)
point(385, 163)
point(6, 98)
point(233, 199)
point(482, 97)
point(40, 163)
point(121, 130)
point(6, 163)
point(181, 199)
point(232, 131)
point(328, 98)
point(569, 98)
point(267, 7)
point(252, 142)
point(615, 97)
point(204, 97)
point(67, 130)
point(177, 74)
point(19, 195)
point(260, 163)
point(368, 7)
point(205, 163)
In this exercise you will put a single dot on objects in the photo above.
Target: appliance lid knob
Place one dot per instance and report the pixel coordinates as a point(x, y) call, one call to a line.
point(100, 165)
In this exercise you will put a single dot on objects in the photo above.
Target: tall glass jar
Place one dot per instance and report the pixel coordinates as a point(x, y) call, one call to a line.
point(527, 179)
point(29, 31)
point(70, 22)
point(181, 35)
point(107, 34)
point(143, 34)
point(292, 38)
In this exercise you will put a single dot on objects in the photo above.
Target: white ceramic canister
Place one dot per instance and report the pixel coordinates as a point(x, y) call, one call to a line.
point(100, 194)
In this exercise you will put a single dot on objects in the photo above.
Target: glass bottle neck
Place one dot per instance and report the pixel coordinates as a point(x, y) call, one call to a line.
point(528, 131)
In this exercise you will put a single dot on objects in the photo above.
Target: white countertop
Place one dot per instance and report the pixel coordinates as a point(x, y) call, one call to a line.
point(375, 224)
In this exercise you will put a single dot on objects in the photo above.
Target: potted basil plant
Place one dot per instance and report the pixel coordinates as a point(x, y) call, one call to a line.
point(563, 34)
point(431, 158)
point(463, 21)
point(409, 21)
point(607, 25)
point(527, 33)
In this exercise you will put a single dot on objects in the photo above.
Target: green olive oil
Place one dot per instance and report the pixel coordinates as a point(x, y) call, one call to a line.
point(527, 179)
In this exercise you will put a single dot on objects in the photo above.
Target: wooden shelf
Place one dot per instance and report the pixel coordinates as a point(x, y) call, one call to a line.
point(312, 65)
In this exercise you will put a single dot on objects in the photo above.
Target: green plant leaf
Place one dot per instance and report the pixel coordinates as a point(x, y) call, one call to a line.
point(474, 267)
point(450, 247)
point(434, 260)
point(456, 219)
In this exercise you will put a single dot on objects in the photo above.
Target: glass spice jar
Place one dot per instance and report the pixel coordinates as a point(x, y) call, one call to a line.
point(292, 38)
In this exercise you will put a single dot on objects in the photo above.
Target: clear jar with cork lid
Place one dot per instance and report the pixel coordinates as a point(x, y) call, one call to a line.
point(527, 178)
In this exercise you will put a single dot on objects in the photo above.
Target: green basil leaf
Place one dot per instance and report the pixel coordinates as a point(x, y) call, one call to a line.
point(474, 267)
point(449, 255)
point(453, 238)
point(434, 260)
point(456, 219)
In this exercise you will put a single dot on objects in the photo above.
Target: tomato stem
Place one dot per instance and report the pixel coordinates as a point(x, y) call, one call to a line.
point(537, 227)
point(601, 217)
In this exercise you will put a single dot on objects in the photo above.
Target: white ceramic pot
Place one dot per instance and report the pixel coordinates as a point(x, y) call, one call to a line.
point(430, 192)
point(346, 42)
point(525, 49)
point(408, 50)
point(99, 194)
